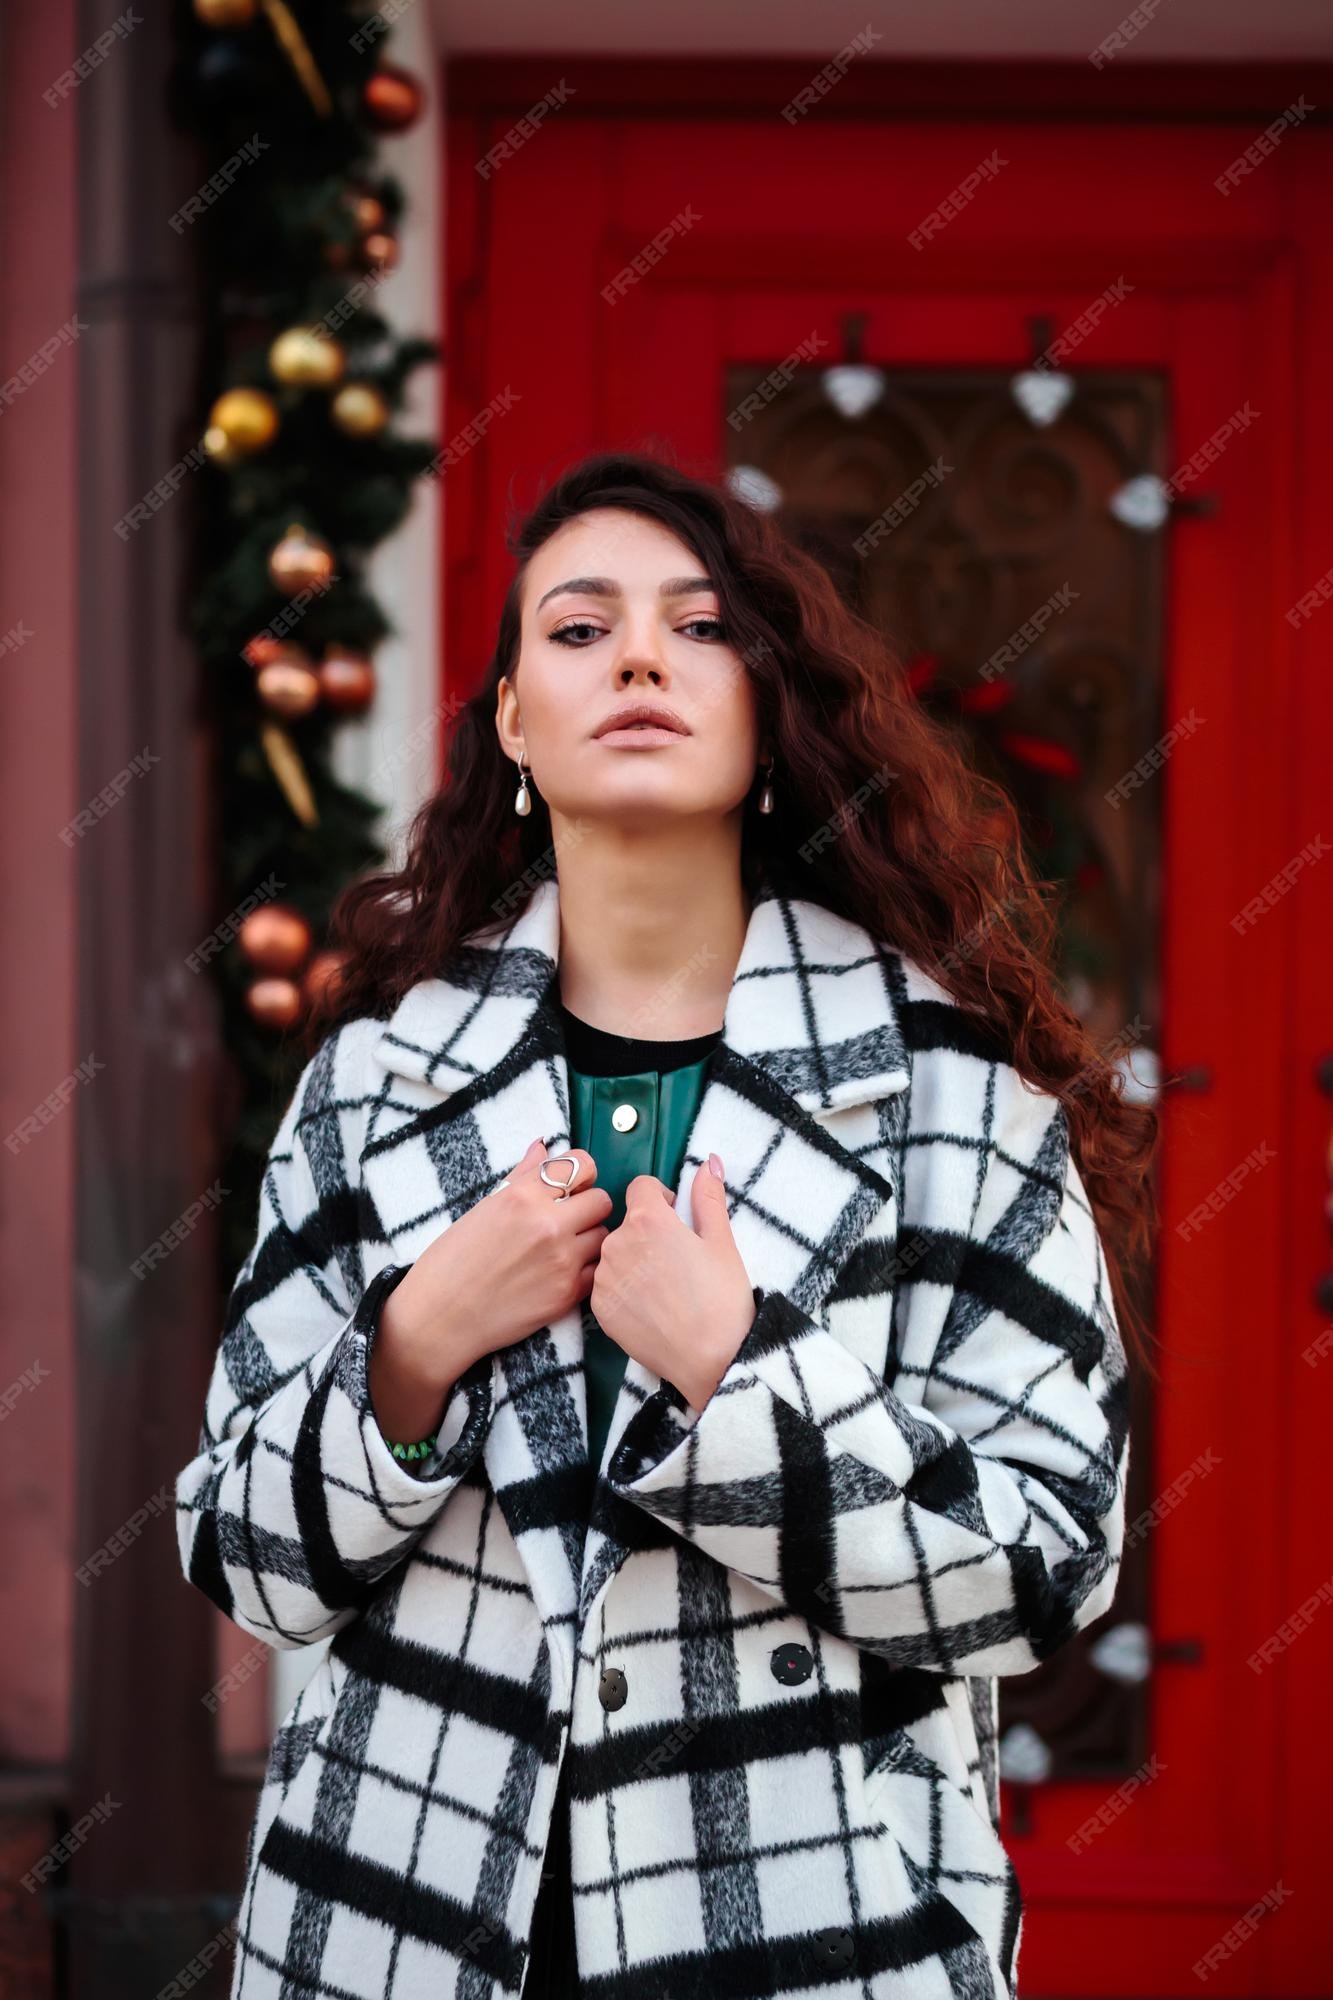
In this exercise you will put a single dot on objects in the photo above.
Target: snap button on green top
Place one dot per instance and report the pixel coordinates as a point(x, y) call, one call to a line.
point(632, 1103)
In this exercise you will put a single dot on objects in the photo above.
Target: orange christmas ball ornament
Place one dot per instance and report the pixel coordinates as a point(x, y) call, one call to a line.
point(346, 681)
point(287, 689)
point(275, 939)
point(275, 1003)
point(393, 99)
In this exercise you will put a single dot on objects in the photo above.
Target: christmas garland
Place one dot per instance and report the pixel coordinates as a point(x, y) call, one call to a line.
point(301, 475)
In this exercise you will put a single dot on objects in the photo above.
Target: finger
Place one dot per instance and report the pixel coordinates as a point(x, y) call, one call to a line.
point(708, 1204)
point(527, 1166)
point(537, 1156)
point(585, 1210)
point(583, 1180)
point(646, 1188)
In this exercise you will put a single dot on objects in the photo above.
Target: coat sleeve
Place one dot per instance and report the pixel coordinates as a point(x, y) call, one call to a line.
point(966, 1515)
point(294, 1507)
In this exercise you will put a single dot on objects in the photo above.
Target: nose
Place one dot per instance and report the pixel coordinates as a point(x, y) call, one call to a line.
point(639, 657)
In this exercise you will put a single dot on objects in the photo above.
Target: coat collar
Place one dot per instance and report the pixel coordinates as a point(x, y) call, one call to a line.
point(811, 1002)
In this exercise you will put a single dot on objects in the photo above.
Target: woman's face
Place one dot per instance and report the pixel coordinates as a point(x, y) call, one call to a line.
point(617, 613)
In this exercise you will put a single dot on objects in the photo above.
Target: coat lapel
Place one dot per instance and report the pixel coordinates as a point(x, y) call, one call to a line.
point(793, 1101)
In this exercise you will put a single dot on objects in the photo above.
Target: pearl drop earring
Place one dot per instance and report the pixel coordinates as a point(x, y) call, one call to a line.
point(522, 801)
point(766, 796)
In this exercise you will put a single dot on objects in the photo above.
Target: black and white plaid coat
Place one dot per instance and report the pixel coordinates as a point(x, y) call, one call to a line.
point(764, 1635)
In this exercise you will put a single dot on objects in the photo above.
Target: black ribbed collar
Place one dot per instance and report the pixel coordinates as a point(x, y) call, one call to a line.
point(597, 1052)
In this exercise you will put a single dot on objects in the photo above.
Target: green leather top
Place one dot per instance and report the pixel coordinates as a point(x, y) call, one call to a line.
point(665, 1099)
point(664, 1082)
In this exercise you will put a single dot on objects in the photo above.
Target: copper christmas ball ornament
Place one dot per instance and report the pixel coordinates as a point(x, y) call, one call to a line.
point(367, 212)
point(305, 358)
point(346, 681)
point(379, 250)
point(360, 409)
point(323, 971)
point(275, 1003)
point(300, 561)
point(240, 422)
point(265, 651)
point(226, 13)
point(275, 939)
point(392, 99)
point(287, 689)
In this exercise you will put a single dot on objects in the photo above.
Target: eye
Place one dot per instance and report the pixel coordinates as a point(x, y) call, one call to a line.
point(563, 635)
point(580, 632)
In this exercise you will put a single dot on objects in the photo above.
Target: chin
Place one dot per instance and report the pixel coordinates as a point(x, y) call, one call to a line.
point(634, 798)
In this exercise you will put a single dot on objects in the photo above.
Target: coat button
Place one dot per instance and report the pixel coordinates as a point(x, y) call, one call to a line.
point(614, 1690)
point(792, 1664)
point(833, 1949)
point(624, 1117)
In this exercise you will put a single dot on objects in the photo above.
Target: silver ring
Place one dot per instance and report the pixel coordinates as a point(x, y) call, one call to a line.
point(564, 1186)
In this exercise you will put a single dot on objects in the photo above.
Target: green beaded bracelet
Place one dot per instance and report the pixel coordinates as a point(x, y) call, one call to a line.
point(421, 1450)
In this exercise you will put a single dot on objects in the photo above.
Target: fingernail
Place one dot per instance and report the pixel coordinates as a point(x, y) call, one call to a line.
point(715, 1166)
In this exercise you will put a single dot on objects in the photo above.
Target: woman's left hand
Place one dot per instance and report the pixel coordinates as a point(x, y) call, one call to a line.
point(677, 1299)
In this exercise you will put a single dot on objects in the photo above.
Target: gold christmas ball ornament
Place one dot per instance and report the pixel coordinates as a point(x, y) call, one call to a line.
point(300, 561)
point(287, 689)
point(359, 409)
point(275, 939)
point(275, 1003)
point(392, 99)
point(226, 13)
point(240, 422)
point(346, 680)
point(305, 358)
point(219, 448)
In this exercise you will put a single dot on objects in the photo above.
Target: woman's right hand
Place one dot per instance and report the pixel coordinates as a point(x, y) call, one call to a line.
point(513, 1262)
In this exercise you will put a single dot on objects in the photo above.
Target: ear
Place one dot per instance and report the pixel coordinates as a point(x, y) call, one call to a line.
point(508, 721)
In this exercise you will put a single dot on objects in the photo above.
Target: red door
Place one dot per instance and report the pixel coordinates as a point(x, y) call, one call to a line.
point(1190, 1860)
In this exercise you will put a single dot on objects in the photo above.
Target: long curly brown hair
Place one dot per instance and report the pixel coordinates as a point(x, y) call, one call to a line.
point(931, 860)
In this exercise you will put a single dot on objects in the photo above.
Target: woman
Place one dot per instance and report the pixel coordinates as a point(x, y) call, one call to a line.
point(679, 1365)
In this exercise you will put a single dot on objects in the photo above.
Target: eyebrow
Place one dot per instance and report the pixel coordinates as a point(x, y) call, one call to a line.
point(606, 586)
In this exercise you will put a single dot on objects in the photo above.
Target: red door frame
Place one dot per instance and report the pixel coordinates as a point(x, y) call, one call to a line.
point(794, 219)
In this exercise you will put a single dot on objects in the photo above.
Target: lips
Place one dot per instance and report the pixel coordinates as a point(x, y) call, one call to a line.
point(640, 736)
point(647, 719)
